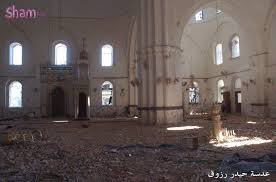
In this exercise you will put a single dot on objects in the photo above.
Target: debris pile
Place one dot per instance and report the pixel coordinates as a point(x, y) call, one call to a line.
point(127, 151)
point(48, 161)
point(247, 166)
point(7, 138)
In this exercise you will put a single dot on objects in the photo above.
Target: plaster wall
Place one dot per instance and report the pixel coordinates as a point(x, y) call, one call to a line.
point(270, 68)
point(198, 59)
point(38, 37)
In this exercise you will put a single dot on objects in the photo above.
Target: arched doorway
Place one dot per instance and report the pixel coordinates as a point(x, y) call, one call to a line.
point(238, 95)
point(82, 105)
point(58, 102)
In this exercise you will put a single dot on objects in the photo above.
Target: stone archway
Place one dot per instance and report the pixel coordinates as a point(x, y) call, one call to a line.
point(58, 102)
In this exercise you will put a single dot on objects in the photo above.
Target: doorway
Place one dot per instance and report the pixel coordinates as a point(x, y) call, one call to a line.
point(82, 105)
point(238, 101)
point(58, 102)
point(227, 101)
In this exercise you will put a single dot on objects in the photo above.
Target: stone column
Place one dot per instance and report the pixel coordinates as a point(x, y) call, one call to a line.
point(82, 83)
point(160, 91)
point(216, 123)
point(257, 83)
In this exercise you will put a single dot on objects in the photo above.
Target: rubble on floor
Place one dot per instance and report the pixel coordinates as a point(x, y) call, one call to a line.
point(237, 165)
point(129, 151)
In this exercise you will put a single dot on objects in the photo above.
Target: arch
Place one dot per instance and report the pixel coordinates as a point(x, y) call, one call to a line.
point(67, 37)
point(220, 87)
point(235, 46)
point(107, 94)
point(229, 8)
point(15, 94)
point(14, 35)
point(107, 55)
point(16, 53)
point(60, 53)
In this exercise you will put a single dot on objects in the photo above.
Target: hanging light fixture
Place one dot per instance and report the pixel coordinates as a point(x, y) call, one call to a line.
point(218, 11)
point(192, 83)
point(60, 15)
point(84, 53)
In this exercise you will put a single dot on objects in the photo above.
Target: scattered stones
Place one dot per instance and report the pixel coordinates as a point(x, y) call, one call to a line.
point(85, 126)
point(125, 151)
point(237, 163)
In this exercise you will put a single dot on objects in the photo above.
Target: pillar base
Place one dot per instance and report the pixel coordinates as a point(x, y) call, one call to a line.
point(164, 115)
point(258, 110)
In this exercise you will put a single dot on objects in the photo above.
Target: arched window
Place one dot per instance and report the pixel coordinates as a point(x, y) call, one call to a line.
point(199, 16)
point(107, 94)
point(219, 11)
point(235, 47)
point(194, 94)
point(15, 53)
point(107, 55)
point(220, 87)
point(15, 94)
point(219, 54)
point(60, 54)
point(238, 93)
point(238, 84)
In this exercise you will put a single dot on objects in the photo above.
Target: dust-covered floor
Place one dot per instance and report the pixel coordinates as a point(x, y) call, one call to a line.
point(126, 150)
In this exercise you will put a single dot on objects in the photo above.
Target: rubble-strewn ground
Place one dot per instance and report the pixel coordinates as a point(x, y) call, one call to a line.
point(125, 151)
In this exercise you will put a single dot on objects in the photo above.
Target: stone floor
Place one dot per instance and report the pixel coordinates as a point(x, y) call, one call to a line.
point(125, 150)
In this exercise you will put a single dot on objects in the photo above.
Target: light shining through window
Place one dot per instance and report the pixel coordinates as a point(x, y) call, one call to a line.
point(219, 11)
point(15, 94)
point(199, 16)
point(15, 54)
point(107, 94)
point(236, 47)
point(220, 87)
point(107, 55)
point(60, 54)
point(219, 55)
point(194, 94)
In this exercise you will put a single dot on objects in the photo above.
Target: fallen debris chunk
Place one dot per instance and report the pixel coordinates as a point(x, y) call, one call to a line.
point(85, 125)
point(5, 139)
